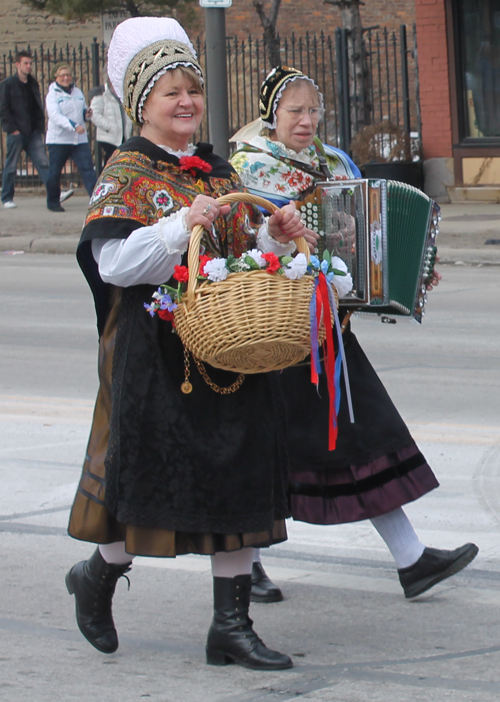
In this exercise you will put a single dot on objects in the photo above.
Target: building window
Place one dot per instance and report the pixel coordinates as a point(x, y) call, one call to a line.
point(479, 47)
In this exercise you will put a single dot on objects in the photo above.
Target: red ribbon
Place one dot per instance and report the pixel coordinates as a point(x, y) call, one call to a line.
point(314, 368)
point(323, 305)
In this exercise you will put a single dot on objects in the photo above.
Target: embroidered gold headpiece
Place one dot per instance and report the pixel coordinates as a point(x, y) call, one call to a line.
point(140, 51)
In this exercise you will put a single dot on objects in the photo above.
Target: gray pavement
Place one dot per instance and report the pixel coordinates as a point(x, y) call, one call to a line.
point(353, 636)
point(465, 232)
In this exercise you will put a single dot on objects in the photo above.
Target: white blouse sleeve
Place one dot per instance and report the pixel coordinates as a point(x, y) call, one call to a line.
point(148, 255)
point(267, 244)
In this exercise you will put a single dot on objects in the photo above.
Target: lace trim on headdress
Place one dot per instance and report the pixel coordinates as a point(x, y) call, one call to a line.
point(280, 92)
point(149, 87)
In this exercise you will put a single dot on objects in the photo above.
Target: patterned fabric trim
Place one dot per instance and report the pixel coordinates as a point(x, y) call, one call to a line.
point(265, 168)
point(133, 187)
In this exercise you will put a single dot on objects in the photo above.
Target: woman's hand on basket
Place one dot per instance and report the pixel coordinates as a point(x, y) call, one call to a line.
point(286, 224)
point(204, 210)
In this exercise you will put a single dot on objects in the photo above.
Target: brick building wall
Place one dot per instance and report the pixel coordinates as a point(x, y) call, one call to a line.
point(22, 25)
point(313, 16)
point(434, 78)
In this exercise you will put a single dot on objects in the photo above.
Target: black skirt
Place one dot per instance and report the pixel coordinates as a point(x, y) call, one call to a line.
point(376, 466)
point(170, 472)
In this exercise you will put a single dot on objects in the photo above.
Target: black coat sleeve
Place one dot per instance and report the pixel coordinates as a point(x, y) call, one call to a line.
point(6, 115)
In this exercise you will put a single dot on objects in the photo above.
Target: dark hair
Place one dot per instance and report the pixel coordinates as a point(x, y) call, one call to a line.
point(23, 54)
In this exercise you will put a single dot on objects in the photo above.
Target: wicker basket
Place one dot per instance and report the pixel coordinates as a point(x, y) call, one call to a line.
point(252, 322)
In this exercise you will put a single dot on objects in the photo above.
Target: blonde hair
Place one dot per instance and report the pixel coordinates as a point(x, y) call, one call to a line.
point(190, 74)
point(59, 67)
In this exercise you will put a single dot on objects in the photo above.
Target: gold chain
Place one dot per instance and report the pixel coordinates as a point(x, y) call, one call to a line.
point(186, 386)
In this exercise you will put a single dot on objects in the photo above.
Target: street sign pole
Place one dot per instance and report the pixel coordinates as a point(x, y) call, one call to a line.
point(217, 81)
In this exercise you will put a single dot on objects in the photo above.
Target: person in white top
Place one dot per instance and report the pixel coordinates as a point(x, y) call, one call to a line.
point(112, 123)
point(66, 134)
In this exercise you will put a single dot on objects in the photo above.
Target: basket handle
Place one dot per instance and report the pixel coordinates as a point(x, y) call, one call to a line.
point(196, 234)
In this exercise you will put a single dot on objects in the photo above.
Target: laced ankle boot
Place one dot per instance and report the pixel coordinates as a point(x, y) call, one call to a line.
point(231, 638)
point(93, 584)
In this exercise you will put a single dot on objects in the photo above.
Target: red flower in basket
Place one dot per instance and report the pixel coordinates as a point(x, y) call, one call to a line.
point(203, 259)
point(181, 274)
point(273, 262)
point(193, 164)
point(168, 316)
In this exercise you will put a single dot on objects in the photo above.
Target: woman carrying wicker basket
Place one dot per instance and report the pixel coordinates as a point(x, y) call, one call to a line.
point(170, 469)
point(376, 467)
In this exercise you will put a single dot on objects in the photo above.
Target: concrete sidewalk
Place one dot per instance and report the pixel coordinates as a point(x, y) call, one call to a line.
point(466, 231)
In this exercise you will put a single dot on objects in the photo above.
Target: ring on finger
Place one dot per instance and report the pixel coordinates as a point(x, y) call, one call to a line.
point(207, 209)
point(296, 214)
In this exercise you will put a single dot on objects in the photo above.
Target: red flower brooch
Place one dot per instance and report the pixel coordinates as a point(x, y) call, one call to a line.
point(193, 164)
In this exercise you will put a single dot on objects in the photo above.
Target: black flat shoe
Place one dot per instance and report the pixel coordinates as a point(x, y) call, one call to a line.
point(56, 208)
point(433, 566)
point(263, 589)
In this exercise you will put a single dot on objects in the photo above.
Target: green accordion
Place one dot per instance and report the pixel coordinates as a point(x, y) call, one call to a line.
point(385, 231)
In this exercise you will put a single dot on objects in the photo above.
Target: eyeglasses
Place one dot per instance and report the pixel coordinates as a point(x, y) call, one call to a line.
point(298, 112)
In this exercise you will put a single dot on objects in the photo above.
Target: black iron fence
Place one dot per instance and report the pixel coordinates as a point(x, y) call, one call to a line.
point(366, 81)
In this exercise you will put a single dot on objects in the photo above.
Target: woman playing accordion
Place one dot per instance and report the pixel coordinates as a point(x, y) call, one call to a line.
point(376, 467)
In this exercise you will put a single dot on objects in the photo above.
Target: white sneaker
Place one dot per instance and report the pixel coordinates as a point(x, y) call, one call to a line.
point(9, 205)
point(66, 194)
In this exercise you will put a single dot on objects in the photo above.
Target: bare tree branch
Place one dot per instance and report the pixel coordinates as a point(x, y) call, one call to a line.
point(269, 25)
point(361, 108)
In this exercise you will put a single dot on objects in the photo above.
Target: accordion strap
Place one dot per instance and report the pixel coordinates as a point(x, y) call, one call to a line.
point(325, 171)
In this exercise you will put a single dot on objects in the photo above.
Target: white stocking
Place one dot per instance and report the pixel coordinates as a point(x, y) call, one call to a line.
point(115, 553)
point(231, 563)
point(396, 530)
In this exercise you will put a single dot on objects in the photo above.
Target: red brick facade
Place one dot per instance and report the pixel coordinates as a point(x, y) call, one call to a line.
point(301, 16)
point(433, 65)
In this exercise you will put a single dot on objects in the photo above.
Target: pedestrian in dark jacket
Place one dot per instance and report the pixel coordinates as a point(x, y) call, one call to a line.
point(23, 118)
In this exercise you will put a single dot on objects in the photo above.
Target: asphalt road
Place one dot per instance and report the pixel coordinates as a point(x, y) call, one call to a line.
point(353, 636)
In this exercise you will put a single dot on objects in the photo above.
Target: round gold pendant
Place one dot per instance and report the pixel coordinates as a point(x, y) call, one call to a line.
point(186, 388)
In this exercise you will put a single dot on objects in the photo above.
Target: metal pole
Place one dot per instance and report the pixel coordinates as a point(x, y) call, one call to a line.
point(218, 109)
point(96, 81)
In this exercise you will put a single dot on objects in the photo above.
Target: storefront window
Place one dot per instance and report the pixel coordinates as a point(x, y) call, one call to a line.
point(480, 48)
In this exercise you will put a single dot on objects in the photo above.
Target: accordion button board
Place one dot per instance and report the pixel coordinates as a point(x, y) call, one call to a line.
point(385, 231)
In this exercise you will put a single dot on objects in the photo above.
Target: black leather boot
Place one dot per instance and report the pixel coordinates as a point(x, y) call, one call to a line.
point(263, 588)
point(433, 566)
point(93, 584)
point(231, 638)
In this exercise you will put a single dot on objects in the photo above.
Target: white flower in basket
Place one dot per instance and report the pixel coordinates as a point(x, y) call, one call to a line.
point(249, 314)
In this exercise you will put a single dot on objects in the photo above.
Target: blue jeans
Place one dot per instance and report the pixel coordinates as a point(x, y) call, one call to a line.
point(58, 155)
point(35, 148)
